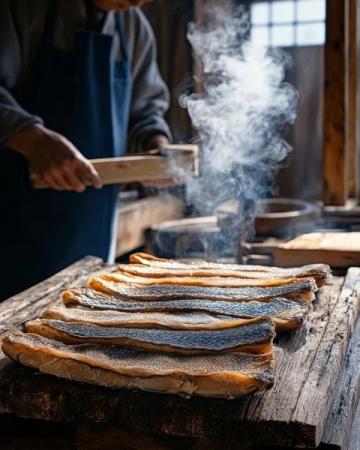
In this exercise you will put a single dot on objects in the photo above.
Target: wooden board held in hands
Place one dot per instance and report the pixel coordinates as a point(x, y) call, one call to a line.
point(172, 161)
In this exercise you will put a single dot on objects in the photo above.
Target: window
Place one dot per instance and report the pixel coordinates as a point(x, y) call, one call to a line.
point(288, 23)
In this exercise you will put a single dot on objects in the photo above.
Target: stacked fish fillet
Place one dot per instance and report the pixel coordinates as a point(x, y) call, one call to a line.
point(160, 325)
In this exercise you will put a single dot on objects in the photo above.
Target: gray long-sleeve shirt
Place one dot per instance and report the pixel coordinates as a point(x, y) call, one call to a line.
point(21, 27)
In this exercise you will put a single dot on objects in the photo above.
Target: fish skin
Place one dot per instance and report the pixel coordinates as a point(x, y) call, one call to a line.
point(256, 336)
point(224, 376)
point(287, 314)
point(301, 290)
point(318, 272)
point(196, 320)
point(198, 281)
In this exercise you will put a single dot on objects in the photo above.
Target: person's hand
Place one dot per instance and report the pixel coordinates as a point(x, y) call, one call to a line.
point(54, 159)
point(116, 5)
point(155, 142)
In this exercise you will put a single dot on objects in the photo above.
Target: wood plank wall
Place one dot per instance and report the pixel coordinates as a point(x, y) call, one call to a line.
point(341, 118)
point(170, 20)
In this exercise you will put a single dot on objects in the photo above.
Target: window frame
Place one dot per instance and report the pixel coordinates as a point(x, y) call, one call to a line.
point(270, 25)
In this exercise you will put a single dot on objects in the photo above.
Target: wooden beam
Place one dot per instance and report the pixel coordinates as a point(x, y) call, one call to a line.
point(352, 97)
point(335, 190)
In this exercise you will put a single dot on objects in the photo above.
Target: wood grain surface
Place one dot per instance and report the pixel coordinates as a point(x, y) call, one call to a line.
point(343, 409)
point(335, 249)
point(175, 161)
point(293, 413)
point(335, 153)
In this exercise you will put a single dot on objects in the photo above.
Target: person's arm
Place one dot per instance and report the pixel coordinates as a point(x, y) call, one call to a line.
point(150, 98)
point(13, 117)
point(51, 156)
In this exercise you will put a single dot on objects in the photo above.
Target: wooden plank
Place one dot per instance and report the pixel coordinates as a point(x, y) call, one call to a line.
point(178, 161)
point(293, 413)
point(355, 434)
point(28, 304)
point(343, 409)
point(335, 191)
point(296, 257)
point(138, 216)
point(336, 249)
point(331, 353)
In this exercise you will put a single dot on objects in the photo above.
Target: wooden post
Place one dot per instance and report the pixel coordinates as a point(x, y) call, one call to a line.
point(341, 131)
point(352, 98)
point(335, 173)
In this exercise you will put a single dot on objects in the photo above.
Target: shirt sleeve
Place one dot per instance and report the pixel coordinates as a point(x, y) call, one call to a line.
point(150, 96)
point(12, 116)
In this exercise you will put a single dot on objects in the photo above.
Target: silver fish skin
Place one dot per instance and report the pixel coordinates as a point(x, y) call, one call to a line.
point(175, 269)
point(251, 335)
point(287, 314)
point(301, 290)
point(321, 272)
point(225, 375)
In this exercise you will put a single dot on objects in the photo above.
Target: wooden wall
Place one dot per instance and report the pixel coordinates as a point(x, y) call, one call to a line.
point(170, 21)
point(302, 175)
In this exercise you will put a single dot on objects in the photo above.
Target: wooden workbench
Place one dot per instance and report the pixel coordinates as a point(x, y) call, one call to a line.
point(311, 379)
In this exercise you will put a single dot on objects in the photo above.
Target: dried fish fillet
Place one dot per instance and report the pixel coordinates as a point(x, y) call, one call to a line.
point(156, 320)
point(301, 290)
point(287, 314)
point(225, 376)
point(159, 267)
point(198, 281)
point(255, 336)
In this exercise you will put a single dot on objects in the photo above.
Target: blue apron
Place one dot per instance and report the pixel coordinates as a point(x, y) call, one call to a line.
point(84, 95)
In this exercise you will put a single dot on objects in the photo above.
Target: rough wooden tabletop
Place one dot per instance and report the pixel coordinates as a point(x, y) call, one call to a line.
point(293, 413)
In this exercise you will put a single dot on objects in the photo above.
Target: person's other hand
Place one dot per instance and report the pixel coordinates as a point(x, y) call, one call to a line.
point(54, 159)
point(155, 142)
point(115, 5)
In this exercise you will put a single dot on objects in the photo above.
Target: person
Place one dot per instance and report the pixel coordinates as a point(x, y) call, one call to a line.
point(78, 80)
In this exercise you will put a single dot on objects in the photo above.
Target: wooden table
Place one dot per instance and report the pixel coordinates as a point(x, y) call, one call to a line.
point(312, 402)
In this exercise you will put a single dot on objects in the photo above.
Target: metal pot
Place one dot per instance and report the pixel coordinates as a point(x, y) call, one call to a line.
point(199, 237)
point(284, 217)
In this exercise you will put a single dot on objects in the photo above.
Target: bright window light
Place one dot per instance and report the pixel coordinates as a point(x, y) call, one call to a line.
point(311, 10)
point(288, 23)
point(283, 12)
point(282, 36)
point(260, 36)
point(310, 34)
point(260, 13)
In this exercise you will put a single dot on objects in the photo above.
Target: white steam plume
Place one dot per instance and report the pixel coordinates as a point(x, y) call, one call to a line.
point(240, 115)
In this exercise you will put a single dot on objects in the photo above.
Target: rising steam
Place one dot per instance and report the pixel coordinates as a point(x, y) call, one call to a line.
point(240, 116)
